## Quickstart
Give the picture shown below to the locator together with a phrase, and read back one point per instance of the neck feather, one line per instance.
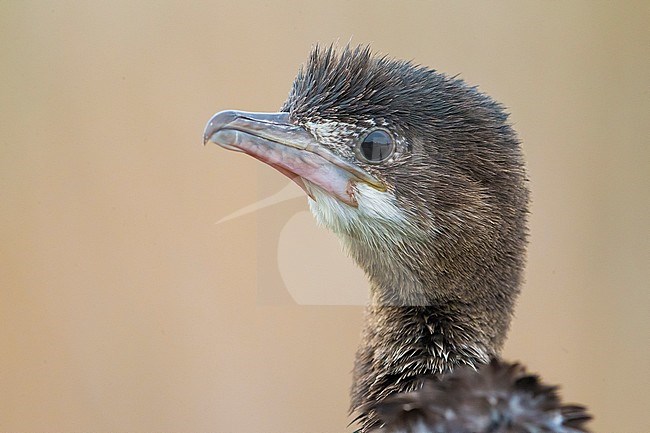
(439, 298)
(403, 345)
(426, 316)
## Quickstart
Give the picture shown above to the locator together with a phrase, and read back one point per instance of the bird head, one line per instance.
(419, 174)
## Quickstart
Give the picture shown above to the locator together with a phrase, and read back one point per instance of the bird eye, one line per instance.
(375, 147)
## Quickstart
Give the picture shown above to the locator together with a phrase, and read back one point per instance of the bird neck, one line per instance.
(442, 292)
(472, 283)
(403, 344)
(426, 316)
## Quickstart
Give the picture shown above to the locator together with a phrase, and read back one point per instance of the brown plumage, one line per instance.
(422, 178)
(497, 398)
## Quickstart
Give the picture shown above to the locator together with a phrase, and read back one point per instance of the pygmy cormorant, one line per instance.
(422, 178)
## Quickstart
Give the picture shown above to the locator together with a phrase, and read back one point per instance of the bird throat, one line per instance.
(420, 322)
(435, 305)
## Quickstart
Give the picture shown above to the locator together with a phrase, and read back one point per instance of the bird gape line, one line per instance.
(423, 180)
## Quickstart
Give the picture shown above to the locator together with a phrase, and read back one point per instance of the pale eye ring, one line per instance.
(375, 147)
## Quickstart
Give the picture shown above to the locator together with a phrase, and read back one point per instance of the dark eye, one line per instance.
(375, 147)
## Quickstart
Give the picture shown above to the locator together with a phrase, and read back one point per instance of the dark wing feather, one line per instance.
(497, 398)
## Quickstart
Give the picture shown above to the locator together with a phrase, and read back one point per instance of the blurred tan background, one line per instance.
(125, 307)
